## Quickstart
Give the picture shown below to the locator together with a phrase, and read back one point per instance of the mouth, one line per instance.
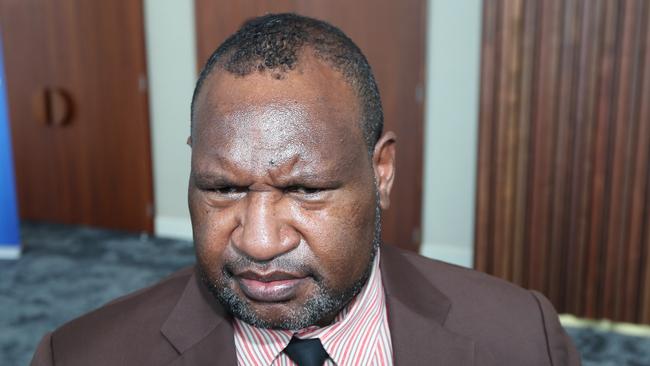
(270, 287)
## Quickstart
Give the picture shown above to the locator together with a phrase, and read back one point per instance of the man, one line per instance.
(290, 171)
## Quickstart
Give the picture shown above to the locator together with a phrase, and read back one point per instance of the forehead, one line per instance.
(310, 113)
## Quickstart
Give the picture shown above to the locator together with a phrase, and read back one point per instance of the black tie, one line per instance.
(306, 352)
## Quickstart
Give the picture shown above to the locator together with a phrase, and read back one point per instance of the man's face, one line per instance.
(282, 195)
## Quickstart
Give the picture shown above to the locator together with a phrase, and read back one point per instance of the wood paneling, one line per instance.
(76, 84)
(563, 201)
(391, 35)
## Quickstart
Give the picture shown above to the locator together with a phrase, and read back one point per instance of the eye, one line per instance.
(228, 192)
(304, 191)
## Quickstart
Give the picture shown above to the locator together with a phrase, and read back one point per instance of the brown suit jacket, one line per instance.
(439, 314)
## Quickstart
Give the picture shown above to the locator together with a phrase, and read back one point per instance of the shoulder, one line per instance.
(129, 325)
(503, 318)
(464, 286)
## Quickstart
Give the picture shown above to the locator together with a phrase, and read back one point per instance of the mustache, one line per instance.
(287, 264)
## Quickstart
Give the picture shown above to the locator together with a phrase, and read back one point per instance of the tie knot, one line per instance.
(306, 352)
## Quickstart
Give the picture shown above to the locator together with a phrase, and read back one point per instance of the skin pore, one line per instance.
(283, 197)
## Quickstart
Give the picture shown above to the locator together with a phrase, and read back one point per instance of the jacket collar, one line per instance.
(201, 331)
(417, 312)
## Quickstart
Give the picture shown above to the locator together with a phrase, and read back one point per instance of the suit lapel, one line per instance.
(216, 349)
(416, 314)
(200, 329)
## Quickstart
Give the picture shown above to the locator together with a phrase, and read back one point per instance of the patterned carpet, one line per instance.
(602, 347)
(66, 271)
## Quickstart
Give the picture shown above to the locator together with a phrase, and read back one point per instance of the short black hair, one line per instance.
(274, 42)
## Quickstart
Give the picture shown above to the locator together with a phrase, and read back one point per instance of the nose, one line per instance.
(264, 231)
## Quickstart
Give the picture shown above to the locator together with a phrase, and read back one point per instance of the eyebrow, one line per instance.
(206, 179)
(226, 171)
(210, 179)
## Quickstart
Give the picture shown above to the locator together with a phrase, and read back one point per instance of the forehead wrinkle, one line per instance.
(213, 166)
(231, 168)
(280, 170)
(301, 164)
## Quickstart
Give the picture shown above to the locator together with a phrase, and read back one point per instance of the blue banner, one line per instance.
(9, 229)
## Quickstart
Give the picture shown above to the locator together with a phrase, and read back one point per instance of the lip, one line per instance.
(270, 287)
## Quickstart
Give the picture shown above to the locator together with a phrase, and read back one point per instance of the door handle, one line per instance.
(60, 107)
(53, 106)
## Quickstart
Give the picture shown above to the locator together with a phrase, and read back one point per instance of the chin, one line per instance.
(321, 305)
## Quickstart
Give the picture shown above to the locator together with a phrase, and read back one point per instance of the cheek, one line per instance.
(211, 229)
(340, 239)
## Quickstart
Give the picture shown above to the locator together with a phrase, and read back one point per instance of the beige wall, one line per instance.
(451, 130)
(171, 63)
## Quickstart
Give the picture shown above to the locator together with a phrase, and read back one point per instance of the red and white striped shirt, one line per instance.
(359, 334)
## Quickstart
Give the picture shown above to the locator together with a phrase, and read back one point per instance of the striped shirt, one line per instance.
(359, 334)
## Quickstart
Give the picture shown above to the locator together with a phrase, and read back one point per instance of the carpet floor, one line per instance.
(66, 271)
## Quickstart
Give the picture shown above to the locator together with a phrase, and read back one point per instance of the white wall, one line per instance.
(451, 115)
(171, 63)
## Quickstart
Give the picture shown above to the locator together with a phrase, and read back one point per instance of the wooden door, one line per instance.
(564, 157)
(78, 111)
(391, 34)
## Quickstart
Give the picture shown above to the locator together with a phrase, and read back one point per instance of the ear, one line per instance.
(189, 141)
(383, 163)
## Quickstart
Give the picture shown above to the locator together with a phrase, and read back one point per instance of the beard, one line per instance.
(325, 303)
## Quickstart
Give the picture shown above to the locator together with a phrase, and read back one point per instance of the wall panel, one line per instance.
(563, 202)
